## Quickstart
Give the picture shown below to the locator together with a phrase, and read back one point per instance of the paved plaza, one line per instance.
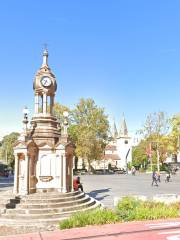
(105, 187)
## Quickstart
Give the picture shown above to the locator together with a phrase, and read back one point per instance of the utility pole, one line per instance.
(158, 155)
(158, 167)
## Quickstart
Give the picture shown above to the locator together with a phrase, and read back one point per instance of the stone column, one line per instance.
(64, 174)
(44, 103)
(16, 175)
(60, 172)
(36, 104)
(26, 175)
(51, 104)
(71, 170)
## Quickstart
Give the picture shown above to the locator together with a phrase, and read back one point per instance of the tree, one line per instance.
(58, 112)
(139, 156)
(156, 125)
(7, 147)
(155, 132)
(174, 136)
(89, 130)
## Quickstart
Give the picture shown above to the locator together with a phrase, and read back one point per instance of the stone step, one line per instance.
(52, 199)
(50, 208)
(50, 195)
(9, 203)
(41, 222)
(49, 215)
(6, 198)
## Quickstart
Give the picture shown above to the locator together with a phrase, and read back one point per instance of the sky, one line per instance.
(123, 54)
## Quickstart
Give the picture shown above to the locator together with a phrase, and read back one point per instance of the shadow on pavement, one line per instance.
(95, 193)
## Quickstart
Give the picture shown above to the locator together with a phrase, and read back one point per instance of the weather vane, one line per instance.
(45, 46)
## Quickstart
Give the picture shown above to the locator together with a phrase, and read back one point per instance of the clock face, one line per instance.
(46, 81)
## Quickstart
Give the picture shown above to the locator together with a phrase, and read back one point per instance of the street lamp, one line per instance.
(25, 120)
(65, 114)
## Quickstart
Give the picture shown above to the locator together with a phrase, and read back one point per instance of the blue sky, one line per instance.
(123, 54)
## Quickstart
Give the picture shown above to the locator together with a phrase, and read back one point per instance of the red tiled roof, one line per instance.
(111, 147)
(112, 157)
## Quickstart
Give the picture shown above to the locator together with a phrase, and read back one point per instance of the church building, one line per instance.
(118, 152)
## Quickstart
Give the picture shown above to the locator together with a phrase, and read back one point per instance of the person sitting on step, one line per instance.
(77, 184)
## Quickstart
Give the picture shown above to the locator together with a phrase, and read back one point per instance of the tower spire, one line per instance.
(115, 132)
(45, 56)
(123, 128)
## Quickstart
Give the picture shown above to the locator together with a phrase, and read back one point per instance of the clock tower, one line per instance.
(43, 121)
(43, 153)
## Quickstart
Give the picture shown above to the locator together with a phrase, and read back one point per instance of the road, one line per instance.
(6, 183)
(105, 187)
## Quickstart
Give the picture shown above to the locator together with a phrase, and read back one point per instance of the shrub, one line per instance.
(126, 208)
(93, 217)
(130, 209)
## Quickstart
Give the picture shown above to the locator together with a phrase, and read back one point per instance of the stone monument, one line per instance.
(43, 153)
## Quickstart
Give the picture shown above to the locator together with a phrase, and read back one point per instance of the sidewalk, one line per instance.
(149, 230)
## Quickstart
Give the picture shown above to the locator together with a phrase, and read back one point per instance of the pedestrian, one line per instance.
(77, 184)
(133, 170)
(158, 177)
(168, 176)
(154, 178)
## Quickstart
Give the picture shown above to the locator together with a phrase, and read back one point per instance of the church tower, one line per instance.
(43, 153)
(124, 145)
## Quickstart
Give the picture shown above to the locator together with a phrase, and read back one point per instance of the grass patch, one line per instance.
(93, 217)
(128, 209)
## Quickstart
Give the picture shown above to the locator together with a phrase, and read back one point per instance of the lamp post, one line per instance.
(25, 120)
(65, 123)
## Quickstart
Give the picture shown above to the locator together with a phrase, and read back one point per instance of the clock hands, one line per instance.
(46, 82)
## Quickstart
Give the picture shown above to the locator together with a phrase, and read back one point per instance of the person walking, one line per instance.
(133, 170)
(158, 177)
(168, 176)
(154, 178)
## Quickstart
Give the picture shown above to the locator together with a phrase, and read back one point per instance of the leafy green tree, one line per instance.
(139, 156)
(7, 148)
(58, 111)
(155, 131)
(174, 135)
(89, 130)
(155, 126)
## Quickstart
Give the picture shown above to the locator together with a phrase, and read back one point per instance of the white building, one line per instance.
(118, 153)
(119, 150)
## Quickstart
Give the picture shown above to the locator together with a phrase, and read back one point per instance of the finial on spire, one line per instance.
(45, 55)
